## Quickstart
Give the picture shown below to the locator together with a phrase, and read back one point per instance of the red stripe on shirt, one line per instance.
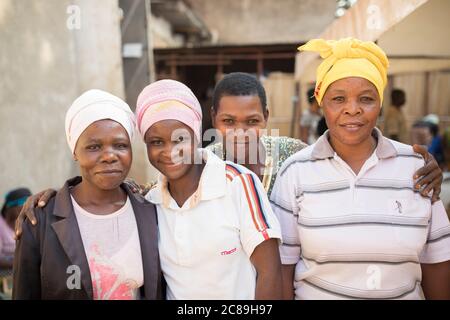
(257, 202)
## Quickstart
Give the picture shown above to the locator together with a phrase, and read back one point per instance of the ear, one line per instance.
(213, 116)
(74, 156)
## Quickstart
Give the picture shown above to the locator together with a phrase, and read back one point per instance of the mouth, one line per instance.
(352, 126)
(110, 172)
(171, 164)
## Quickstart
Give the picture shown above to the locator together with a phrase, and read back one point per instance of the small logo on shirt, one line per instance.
(225, 253)
(398, 206)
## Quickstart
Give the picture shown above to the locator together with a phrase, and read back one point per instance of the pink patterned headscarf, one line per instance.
(168, 100)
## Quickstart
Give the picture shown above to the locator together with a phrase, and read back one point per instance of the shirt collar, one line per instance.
(322, 149)
(212, 184)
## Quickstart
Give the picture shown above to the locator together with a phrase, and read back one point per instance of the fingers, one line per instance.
(432, 176)
(430, 166)
(43, 200)
(18, 226)
(134, 187)
(31, 216)
(422, 150)
(28, 206)
(434, 185)
(436, 193)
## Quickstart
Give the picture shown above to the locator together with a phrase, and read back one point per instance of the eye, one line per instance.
(122, 146)
(93, 147)
(338, 99)
(228, 121)
(156, 143)
(253, 121)
(367, 99)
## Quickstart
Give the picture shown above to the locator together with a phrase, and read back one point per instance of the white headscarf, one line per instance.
(95, 105)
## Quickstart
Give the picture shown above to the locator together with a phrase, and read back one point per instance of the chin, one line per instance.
(355, 139)
(109, 184)
(174, 174)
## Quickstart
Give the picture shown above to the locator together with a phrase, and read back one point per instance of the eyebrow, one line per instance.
(253, 115)
(115, 139)
(227, 115)
(368, 91)
(343, 91)
(153, 137)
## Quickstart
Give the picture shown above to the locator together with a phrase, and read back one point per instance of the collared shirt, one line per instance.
(278, 149)
(357, 235)
(205, 246)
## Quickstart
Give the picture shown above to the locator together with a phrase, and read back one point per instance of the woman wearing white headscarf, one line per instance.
(90, 241)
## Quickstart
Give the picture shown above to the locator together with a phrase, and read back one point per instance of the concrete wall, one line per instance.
(265, 21)
(44, 67)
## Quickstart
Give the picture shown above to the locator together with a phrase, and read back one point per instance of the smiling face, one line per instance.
(103, 152)
(351, 107)
(171, 148)
(240, 120)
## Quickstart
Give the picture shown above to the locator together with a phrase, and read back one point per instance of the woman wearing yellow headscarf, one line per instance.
(353, 225)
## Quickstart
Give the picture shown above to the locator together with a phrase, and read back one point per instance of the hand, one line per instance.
(430, 175)
(37, 200)
(136, 188)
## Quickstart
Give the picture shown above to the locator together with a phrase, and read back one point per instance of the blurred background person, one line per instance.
(322, 126)
(436, 145)
(10, 210)
(395, 122)
(420, 133)
(310, 119)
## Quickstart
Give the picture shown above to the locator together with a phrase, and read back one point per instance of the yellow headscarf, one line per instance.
(348, 58)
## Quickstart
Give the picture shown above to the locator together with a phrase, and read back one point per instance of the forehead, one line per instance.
(166, 128)
(351, 84)
(104, 129)
(241, 105)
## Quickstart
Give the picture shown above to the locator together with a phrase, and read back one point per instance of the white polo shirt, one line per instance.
(205, 246)
(357, 236)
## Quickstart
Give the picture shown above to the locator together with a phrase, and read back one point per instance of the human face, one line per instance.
(240, 120)
(11, 215)
(351, 107)
(171, 147)
(104, 155)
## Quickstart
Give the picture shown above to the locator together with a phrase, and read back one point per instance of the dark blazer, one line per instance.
(44, 252)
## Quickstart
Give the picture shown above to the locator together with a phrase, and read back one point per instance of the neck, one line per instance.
(181, 189)
(96, 200)
(354, 155)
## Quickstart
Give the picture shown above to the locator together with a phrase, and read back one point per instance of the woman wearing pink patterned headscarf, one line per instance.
(217, 230)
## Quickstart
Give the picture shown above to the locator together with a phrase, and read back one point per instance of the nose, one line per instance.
(109, 156)
(171, 152)
(241, 131)
(352, 108)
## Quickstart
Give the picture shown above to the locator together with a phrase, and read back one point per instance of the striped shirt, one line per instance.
(205, 246)
(357, 236)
